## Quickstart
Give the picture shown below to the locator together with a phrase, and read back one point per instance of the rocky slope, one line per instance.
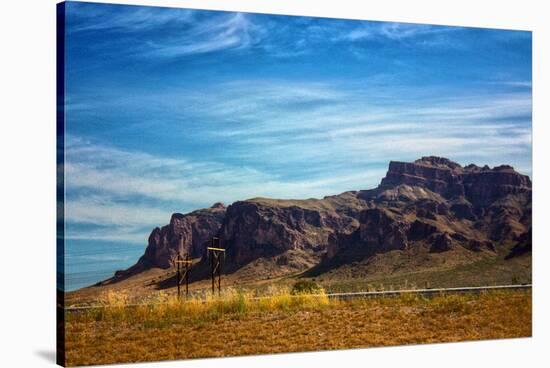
(433, 204)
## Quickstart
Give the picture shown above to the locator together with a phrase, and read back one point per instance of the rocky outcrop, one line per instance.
(481, 186)
(523, 245)
(256, 228)
(382, 230)
(484, 187)
(479, 245)
(441, 242)
(421, 230)
(439, 176)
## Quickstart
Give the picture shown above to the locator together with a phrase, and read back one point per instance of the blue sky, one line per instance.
(170, 110)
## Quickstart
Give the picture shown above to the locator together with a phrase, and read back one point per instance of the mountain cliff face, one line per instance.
(479, 185)
(432, 203)
(262, 227)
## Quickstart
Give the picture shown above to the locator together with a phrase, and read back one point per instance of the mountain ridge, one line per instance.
(432, 205)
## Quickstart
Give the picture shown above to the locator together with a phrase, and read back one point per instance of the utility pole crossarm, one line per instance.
(216, 249)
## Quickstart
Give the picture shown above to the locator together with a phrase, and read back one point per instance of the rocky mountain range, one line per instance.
(431, 204)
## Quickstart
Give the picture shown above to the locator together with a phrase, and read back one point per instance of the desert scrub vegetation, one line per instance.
(306, 286)
(166, 308)
(239, 323)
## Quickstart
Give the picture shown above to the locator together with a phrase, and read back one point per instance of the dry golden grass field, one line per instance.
(238, 324)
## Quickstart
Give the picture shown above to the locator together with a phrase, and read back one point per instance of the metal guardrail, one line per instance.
(426, 292)
(362, 294)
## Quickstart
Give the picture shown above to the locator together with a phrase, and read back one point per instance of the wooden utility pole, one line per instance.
(182, 273)
(215, 253)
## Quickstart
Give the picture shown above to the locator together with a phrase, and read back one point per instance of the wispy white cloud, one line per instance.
(165, 32)
(232, 31)
(103, 211)
(87, 17)
(359, 126)
(114, 233)
(393, 32)
(119, 173)
(512, 83)
(263, 108)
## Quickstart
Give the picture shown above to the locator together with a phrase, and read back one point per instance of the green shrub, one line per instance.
(306, 287)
